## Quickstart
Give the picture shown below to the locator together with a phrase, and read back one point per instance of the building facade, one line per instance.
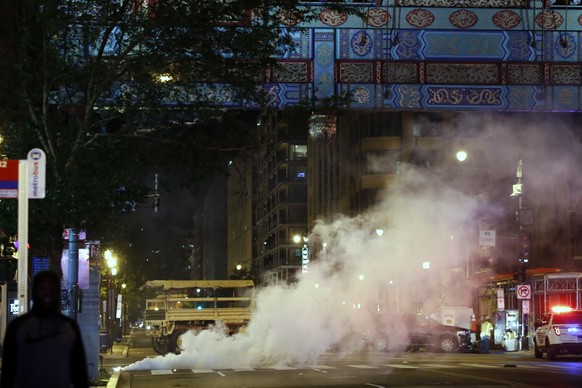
(489, 55)
(281, 198)
(410, 68)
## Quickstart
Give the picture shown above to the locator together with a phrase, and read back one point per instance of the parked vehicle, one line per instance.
(185, 305)
(559, 333)
(414, 332)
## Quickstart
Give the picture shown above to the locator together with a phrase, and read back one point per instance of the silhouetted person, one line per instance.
(43, 348)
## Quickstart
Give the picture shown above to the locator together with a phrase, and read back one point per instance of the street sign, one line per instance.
(8, 178)
(36, 173)
(523, 291)
(487, 238)
(500, 299)
(525, 306)
(304, 258)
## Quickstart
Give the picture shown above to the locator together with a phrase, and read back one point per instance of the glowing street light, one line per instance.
(110, 311)
(379, 232)
(110, 260)
(164, 78)
(461, 155)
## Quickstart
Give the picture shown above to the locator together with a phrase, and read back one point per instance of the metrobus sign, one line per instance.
(35, 179)
(8, 178)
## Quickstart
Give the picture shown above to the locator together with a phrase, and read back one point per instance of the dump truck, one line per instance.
(183, 305)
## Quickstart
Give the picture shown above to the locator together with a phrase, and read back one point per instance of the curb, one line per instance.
(114, 379)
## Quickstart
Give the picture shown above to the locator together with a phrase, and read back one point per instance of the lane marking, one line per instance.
(317, 367)
(363, 366)
(282, 367)
(401, 366)
(162, 372)
(244, 369)
(202, 370)
(479, 365)
(436, 366)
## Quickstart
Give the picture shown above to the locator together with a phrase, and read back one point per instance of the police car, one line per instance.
(559, 333)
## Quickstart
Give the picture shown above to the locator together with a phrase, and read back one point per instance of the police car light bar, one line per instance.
(561, 309)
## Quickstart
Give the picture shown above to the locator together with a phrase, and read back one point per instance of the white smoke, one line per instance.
(360, 273)
(356, 275)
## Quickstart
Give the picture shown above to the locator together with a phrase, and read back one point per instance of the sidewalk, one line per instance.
(117, 352)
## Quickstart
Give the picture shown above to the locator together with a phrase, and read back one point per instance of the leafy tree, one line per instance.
(113, 90)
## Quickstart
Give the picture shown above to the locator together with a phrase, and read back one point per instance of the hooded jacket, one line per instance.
(44, 348)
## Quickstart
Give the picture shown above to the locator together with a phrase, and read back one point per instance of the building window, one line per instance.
(298, 152)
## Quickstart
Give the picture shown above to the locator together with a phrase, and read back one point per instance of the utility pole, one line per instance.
(525, 220)
(73, 274)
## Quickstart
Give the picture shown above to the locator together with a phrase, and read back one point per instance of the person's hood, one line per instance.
(50, 306)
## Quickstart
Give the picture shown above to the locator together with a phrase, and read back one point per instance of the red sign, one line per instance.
(8, 178)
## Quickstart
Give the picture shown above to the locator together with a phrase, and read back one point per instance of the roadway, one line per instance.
(366, 369)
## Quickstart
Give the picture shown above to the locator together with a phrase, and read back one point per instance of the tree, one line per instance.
(113, 90)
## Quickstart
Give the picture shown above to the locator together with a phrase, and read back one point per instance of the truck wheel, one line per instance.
(160, 345)
(551, 352)
(447, 344)
(175, 344)
(537, 351)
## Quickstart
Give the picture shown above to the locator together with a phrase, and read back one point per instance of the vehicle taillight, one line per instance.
(556, 329)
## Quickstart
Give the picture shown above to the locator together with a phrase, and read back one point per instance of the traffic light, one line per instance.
(519, 274)
(525, 245)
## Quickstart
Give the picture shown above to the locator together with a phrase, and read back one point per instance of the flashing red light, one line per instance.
(561, 309)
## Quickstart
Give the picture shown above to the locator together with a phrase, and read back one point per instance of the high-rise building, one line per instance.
(240, 208)
(281, 198)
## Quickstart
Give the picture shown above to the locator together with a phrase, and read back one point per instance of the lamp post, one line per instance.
(487, 235)
(111, 271)
(123, 308)
(525, 219)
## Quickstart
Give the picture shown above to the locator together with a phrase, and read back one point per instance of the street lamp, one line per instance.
(480, 180)
(111, 270)
(123, 322)
(461, 155)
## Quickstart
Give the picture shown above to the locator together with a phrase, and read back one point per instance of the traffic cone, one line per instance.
(473, 324)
